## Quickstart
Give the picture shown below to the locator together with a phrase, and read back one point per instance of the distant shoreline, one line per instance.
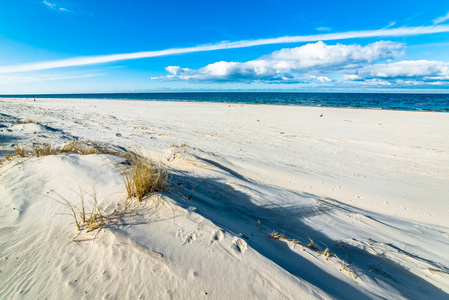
(376, 101)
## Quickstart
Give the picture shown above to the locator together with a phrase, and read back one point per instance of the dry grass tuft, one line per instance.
(173, 145)
(20, 150)
(28, 121)
(96, 219)
(76, 147)
(281, 236)
(346, 267)
(312, 245)
(326, 253)
(85, 221)
(87, 147)
(145, 176)
(43, 149)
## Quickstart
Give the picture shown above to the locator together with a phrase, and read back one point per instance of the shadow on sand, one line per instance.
(234, 212)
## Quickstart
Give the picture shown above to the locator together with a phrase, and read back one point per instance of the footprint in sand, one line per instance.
(241, 245)
(218, 236)
(192, 237)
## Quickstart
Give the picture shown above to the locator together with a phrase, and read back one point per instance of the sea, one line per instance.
(407, 102)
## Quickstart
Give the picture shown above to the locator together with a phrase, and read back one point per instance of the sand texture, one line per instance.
(265, 202)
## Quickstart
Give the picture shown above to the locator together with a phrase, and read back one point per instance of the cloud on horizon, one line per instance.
(291, 65)
(411, 68)
(319, 63)
(90, 60)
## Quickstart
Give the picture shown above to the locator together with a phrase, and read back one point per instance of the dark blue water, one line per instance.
(416, 102)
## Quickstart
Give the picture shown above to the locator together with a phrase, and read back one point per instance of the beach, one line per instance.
(266, 201)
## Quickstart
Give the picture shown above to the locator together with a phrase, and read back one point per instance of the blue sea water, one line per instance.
(413, 102)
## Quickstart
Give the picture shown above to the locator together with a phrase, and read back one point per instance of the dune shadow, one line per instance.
(7, 139)
(235, 212)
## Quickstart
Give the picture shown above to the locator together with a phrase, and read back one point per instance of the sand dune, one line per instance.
(266, 202)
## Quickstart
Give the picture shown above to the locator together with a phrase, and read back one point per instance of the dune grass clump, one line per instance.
(174, 145)
(75, 147)
(29, 121)
(313, 246)
(281, 236)
(43, 149)
(85, 220)
(20, 150)
(144, 177)
(87, 147)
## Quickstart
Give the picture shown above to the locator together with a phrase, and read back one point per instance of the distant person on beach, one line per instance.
(34, 98)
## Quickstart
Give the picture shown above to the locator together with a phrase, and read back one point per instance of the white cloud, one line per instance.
(89, 60)
(290, 64)
(416, 69)
(55, 6)
(51, 5)
(323, 28)
(323, 79)
(441, 19)
(391, 24)
(351, 77)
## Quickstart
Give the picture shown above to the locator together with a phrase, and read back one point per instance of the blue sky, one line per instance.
(85, 46)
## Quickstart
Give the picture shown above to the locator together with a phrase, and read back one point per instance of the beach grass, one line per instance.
(145, 176)
(84, 220)
(80, 147)
(313, 246)
(28, 121)
(20, 150)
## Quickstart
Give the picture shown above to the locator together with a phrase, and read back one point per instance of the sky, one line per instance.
(85, 46)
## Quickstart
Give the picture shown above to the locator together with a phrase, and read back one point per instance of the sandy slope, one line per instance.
(369, 185)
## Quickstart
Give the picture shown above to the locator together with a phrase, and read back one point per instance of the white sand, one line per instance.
(373, 186)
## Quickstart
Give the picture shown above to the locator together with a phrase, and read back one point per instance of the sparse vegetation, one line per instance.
(85, 221)
(312, 245)
(75, 146)
(43, 149)
(173, 145)
(28, 121)
(88, 147)
(20, 150)
(144, 177)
